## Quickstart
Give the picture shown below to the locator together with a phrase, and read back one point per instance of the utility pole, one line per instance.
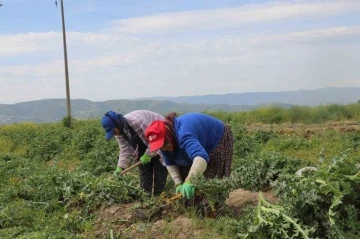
(65, 62)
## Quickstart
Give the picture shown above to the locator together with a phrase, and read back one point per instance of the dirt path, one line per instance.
(342, 126)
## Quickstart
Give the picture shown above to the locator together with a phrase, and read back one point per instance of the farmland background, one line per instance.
(57, 181)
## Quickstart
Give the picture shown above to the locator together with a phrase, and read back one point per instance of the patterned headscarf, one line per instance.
(123, 126)
(125, 129)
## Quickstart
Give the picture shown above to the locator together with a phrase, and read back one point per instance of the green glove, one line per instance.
(178, 188)
(188, 190)
(145, 159)
(118, 171)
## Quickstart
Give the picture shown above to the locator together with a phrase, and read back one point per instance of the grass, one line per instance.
(45, 168)
(327, 144)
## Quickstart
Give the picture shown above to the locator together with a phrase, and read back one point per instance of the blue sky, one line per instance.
(129, 49)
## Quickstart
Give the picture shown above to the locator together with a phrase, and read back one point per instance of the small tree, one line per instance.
(67, 121)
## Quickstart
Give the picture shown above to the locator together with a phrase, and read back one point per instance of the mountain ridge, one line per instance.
(52, 110)
(306, 97)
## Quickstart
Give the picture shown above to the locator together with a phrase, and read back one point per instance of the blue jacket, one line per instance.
(197, 134)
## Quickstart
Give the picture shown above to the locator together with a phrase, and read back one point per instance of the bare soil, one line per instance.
(129, 222)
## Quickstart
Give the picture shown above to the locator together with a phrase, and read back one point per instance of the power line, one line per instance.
(56, 5)
(25, 5)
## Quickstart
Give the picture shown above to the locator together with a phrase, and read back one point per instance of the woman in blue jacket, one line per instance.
(192, 144)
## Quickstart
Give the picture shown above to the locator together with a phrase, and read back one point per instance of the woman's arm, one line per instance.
(125, 152)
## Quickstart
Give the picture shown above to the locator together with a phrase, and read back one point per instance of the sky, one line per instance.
(133, 49)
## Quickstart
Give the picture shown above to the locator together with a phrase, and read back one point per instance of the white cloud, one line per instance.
(28, 42)
(110, 64)
(18, 44)
(315, 34)
(201, 53)
(233, 17)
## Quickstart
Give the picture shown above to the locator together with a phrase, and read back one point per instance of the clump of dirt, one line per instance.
(240, 199)
(308, 134)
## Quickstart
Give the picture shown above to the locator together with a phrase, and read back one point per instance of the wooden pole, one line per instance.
(65, 63)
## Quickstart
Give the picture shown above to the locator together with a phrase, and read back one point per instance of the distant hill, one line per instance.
(52, 110)
(315, 97)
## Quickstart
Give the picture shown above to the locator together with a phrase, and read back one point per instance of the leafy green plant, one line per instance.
(323, 198)
(37, 196)
(67, 121)
(271, 221)
(244, 144)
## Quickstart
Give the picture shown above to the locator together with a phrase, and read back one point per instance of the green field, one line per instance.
(56, 182)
